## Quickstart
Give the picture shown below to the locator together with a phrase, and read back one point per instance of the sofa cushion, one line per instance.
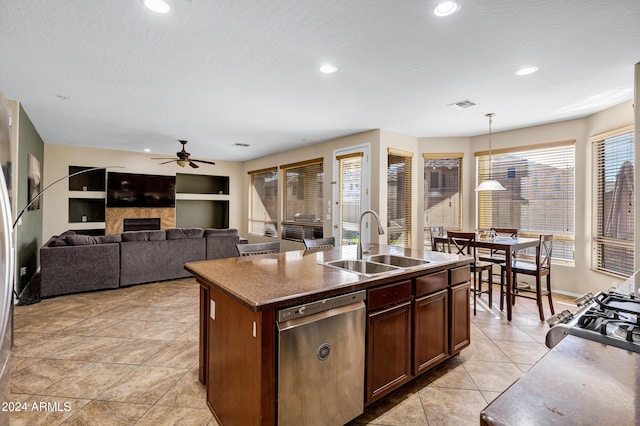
(105, 239)
(130, 236)
(212, 233)
(80, 240)
(182, 233)
(56, 241)
(65, 233)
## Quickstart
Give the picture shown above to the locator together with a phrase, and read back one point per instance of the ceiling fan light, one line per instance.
(182, 163)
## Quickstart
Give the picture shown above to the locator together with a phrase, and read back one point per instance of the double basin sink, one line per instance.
(376, 264)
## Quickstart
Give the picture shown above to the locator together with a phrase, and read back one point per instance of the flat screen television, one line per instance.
(137, 190)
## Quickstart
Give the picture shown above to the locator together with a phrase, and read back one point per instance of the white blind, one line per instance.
(539, 196)
(303, 200)
(263, 200)
(350, 196)
(442, 193)
(613, 202)
(399, 199)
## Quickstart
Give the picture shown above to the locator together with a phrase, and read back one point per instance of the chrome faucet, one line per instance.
(380, 230)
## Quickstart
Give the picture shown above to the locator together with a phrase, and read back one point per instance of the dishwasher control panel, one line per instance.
(311, 308)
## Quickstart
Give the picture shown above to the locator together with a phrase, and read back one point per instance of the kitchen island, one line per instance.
(416, 318)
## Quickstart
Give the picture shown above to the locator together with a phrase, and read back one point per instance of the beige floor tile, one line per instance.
(108, 413)
(36, 377)
(483, 350)
(453, 407)
(523, 352)
(89, 348)
(191, 335)
(538, 333)
(132, 351)
(524, 367)
(176, 354)
(89, 327)
(144, 385)
(88, 381)
(492, 376)
(506, 332)
(17, 363)
(402, 407)
(490, 395)
(48, 324)
(40, 345)
(169, 416)
(188, 392)
(161, 330)
(450, 374)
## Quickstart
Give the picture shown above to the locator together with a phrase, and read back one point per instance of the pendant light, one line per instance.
(490, 184)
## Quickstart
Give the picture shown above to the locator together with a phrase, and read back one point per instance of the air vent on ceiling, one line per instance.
(461, 104)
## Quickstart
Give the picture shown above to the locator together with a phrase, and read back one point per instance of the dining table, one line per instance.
(509, 245)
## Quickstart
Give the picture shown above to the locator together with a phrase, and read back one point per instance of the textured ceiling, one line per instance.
(113, 74)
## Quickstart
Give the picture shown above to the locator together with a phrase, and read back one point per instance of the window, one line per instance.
(539, 195)
(442, 193)
(399, 198)
(263, 202)
(303, 200)
(350, 195)
(613, 202)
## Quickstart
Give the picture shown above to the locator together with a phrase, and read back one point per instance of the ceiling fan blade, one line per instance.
(167, 162)
(205, 161)
(194, 165)
(160, 158)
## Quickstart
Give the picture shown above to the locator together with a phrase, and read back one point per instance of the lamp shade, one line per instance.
(490, 185)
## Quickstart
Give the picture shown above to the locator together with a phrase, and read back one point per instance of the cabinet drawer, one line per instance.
(388, 295)
(460, 275)
(431, 283)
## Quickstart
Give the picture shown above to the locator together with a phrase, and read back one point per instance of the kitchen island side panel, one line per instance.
(241, 363)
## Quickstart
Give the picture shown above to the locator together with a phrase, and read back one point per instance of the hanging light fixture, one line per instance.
(490, 184)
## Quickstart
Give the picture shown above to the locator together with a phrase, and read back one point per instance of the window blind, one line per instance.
(613, 202)
(263, 202)
(442, 193)
(303, 200)
(350, 196)
(539, 196)
(399, 198)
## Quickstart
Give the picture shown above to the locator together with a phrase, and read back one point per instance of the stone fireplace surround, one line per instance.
(114, 217)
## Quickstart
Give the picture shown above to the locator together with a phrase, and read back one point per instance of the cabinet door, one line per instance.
(460, 320)
(430, 322)
(388, 350)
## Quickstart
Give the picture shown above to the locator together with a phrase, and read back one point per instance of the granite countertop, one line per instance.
(578, 382)
(292, 277)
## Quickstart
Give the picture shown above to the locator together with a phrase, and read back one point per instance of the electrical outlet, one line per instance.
(23, 271)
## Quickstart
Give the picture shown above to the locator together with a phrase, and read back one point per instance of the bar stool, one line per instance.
(318, 243)
(258, 248)
(542, 267)
(464, 244)
(436, 231)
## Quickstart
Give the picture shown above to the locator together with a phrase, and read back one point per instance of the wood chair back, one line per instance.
(253, 249)
(319, 243)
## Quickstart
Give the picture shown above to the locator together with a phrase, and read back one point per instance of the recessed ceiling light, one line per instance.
(242, 145)
(328, 68)
(159, 6)
(526, 70)
(446, 8)
(147, 150)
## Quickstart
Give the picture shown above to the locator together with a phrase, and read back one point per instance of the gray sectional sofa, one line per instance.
(72, 263)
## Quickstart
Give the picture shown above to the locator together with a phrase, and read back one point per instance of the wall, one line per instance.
(29, 229)
(58, 158)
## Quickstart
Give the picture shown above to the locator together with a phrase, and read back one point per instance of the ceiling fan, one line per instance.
(183, 158)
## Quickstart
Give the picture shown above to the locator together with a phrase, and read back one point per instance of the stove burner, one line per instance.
(628, 332)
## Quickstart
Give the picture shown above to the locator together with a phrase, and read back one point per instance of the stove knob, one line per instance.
(302, 309)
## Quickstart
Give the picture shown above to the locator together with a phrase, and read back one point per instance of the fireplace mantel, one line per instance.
(115, 216)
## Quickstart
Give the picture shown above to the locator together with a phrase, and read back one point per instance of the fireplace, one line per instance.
(141, 224)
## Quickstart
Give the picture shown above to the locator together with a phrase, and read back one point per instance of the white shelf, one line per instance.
(87, 194)
(200, 197)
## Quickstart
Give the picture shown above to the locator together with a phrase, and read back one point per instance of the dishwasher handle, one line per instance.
(301, 321)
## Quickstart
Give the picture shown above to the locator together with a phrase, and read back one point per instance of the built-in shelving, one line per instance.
(202, 201)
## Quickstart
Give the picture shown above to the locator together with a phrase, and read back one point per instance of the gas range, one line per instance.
(608, 317)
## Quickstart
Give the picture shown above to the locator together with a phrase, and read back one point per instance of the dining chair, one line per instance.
(436, 231)
(463, 243)
(318, 243)
(541, 267)
(253, 249)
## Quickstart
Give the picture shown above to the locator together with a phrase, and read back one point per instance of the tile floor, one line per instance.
(130, 356)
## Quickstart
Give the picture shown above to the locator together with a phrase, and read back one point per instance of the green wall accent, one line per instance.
(29, 232)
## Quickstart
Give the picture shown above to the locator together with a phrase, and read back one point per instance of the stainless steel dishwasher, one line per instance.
(321, 361)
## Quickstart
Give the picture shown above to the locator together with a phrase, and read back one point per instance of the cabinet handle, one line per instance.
(254, 329)
(212, 310)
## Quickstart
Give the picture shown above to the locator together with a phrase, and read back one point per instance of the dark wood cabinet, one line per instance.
(388, 357)
(459, 320)
(430, 323)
